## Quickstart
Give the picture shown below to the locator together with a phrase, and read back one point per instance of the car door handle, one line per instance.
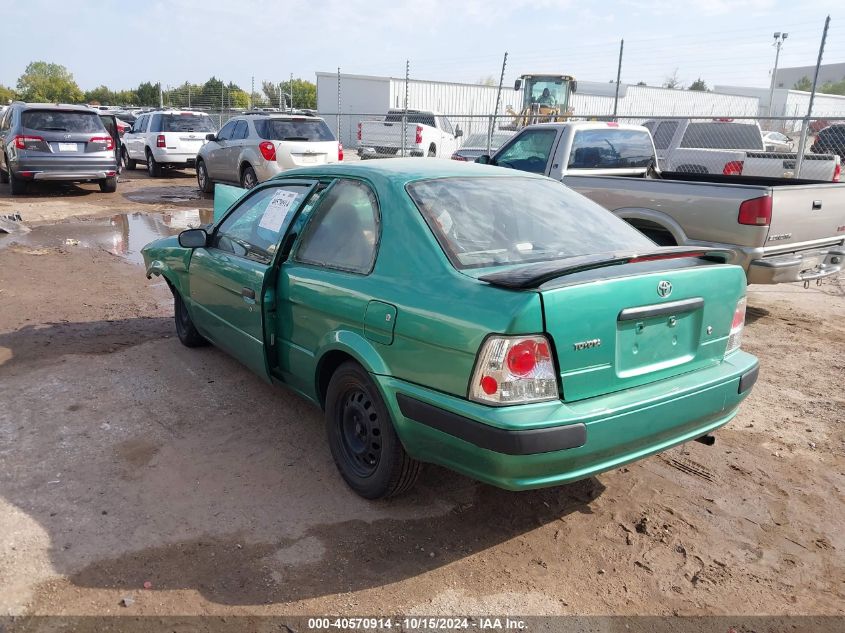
(248, 294)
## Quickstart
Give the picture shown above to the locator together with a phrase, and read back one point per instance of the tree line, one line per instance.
(45, 82)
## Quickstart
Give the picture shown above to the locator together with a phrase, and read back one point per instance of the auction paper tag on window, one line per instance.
(279, 208)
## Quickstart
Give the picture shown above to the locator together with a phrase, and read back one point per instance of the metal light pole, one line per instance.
(780, 38)
(618, 79)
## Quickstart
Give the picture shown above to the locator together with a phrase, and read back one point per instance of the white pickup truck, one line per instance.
(731, 148)
(427, 133)
(780, 230)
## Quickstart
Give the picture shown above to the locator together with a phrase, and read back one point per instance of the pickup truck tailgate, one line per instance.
(623, 332)
(803, 214)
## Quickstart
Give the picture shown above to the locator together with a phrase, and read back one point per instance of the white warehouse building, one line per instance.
(365, 97)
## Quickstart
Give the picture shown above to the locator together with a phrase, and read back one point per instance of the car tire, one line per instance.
(432, 152)
(128, 163)
(248, 177)
(153, 168)
(205, 183)
(16, 185)
(4, 175)
(185, 328)
(108, 185)
(362, 439)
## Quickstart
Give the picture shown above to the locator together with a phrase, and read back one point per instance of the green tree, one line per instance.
(100, 95)
(7, 95)
(699, 85)
(304, 93)
(48, 83)
(834, 87)
(147, 94)
(239, 98)
(803, 84)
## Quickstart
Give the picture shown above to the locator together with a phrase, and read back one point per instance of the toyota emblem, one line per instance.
(664, 288)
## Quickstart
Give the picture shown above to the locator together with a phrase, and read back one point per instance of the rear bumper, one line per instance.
(388, 152)
(801, 266)
(68, 169)
(164, 156)
(547, 444)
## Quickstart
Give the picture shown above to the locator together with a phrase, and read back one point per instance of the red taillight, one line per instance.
(457, 156)
(21, 141)
(733, 168)
(756, 212)
(419, 135)
(340, 152)
(108, 141)
(160, 142)
(514, 370)
(268, 150)
(737, 325)
(359, 131)
(837, 173)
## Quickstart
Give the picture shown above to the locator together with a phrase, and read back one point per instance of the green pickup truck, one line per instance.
(490, 321)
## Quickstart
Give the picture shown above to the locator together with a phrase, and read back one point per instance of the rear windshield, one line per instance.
(294, 130)
(413, 118)
(483, 222)
(722, 136)
(61, 121)
(183, 123)
(611, 148)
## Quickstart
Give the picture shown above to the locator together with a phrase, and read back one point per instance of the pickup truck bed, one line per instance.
(704, 209)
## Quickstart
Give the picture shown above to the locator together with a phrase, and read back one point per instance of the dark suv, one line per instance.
(40, 141)
(831, 140)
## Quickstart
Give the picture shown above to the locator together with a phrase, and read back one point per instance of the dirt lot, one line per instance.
(127, 459)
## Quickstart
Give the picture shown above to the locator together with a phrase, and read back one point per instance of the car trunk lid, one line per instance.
(306, 153)
(806, 213)
(633, 329)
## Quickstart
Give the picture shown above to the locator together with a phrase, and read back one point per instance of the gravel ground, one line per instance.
(127, 460)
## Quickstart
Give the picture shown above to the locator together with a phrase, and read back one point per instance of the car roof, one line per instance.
(400, 170)
(69, 107)
(588, 125)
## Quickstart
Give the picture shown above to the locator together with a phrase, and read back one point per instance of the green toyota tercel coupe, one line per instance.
(492, 322)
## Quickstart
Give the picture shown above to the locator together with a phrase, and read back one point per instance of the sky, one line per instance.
(121, 44)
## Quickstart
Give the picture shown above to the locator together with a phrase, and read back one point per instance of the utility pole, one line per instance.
(160, 96)
(338, 104)
(290, 89)
(780, 38)
(618, 78)
(405, 113)
(251, 92)
(498, 102)
(806, 127)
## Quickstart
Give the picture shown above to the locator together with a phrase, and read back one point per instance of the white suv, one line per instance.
(166, 139)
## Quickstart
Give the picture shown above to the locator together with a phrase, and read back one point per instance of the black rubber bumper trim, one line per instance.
(526, 442)
(748, 379)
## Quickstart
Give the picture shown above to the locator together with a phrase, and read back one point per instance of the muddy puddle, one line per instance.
(157, 195)
(123, 234)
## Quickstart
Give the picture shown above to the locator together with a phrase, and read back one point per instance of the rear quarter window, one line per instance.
(313, 130)
(606, 148)
(61, 121)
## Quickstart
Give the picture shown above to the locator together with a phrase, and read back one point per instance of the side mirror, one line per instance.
(211, 137)
(484, 159)
(193, 238)
(517, 84)
(573, 87)
(458, 132)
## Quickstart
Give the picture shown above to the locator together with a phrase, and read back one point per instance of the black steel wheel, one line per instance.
(185, 328)
(363, 442)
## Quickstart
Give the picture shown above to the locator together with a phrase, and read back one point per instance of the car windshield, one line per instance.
(185, 122)
(481, 222)
(720, 135)
(479, 141)
(61, 121)
(294, 130)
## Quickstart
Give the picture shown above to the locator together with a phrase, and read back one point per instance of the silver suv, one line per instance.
(256, 146)
(40, 141)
